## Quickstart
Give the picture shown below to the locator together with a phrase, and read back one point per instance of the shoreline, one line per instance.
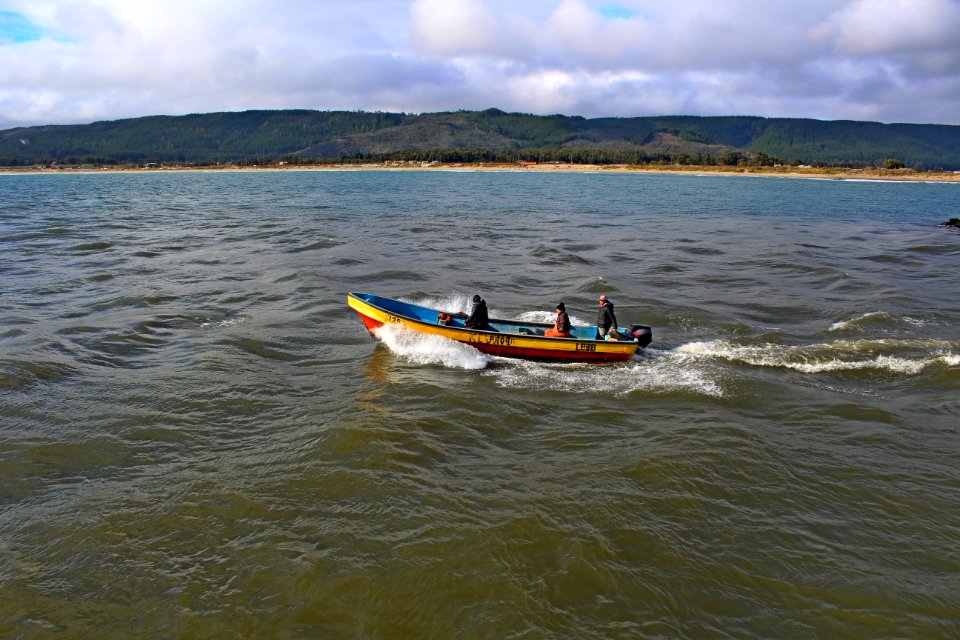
(886, 175)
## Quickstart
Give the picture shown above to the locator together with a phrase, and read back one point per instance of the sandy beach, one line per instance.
(776, 172)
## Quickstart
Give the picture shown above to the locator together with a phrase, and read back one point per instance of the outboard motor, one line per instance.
(642, 334)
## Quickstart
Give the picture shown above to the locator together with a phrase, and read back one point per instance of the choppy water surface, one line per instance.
(198, 439)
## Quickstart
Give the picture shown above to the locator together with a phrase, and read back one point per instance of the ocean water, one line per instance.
(198, 439)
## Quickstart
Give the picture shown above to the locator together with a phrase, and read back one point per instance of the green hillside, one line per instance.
(481, 135)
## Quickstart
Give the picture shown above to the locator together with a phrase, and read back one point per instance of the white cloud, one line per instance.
(83, 60)
(458, 28)
(892, 26)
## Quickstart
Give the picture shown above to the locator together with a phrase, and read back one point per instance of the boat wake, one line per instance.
(653, 372)
(897, 356)
(702, 368)
(659, 372)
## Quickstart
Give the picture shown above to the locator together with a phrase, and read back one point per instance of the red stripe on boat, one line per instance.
(370, 323)
(545, 355)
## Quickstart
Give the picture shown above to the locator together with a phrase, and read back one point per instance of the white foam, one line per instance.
(842, 355)
(655, 372)
(889, 363)
(549, 317)
(453, 303)
(950, 359)
(421, 348)
(539, 316)
(229, 322)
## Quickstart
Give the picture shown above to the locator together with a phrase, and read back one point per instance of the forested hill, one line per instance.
(491, 135)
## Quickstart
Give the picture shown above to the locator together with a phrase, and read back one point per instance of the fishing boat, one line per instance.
(507, 338)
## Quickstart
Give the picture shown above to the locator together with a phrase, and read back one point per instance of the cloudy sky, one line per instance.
(76, 61)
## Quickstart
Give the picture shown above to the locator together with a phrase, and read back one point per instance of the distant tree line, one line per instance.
(259, 137)
(468, 156)
(561, 156)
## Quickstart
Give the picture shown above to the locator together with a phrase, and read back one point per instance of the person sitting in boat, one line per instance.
(606, 320)
(561, 329)
(478, 316)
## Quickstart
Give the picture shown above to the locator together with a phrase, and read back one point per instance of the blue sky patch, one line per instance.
(616, 11)
(15, 28)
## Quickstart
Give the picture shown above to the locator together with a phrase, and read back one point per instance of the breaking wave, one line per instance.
(872, 318)
(875, 319)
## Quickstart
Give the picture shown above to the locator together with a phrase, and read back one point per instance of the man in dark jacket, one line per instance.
(478, 316)
(606, 320)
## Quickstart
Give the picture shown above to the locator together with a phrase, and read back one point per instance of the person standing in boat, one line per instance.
(478, 316)
(606, 320)
(561, 329)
